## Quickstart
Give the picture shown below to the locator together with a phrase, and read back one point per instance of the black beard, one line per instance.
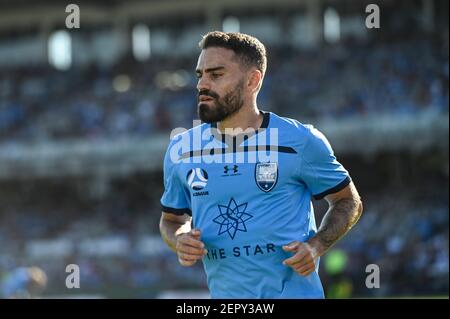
(221, 108)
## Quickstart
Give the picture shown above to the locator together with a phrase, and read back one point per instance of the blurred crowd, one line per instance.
(406, 238)
(113, 239)
(402, 77)
(399, 78)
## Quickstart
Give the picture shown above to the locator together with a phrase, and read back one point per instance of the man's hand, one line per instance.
(304, 260)
(189, 248)
(344, 211)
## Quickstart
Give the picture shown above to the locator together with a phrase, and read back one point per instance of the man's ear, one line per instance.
(254, 80)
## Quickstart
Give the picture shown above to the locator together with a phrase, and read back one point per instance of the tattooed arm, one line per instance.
(344, 211)
(345, 208)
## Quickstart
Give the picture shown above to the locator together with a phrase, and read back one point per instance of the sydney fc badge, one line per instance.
(266, 175)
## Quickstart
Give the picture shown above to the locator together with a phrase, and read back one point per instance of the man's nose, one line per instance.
(203, 84)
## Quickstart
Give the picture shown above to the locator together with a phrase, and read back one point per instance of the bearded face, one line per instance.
(215, 108)
(221, 84)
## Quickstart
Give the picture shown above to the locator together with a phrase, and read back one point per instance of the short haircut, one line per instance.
(249, 49)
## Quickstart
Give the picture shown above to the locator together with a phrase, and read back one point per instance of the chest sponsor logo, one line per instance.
(241, 251)
(232, 218)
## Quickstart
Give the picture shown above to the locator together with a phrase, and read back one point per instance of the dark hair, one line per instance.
(249, 49)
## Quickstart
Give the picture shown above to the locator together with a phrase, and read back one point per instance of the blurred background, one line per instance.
(86, 113)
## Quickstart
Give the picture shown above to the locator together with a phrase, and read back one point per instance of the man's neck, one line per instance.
(246, 117)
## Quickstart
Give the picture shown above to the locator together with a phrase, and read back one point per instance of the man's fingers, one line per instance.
(297, 258)
(192, 250)
(303, 260)
(189, 257)
(191, 241)
(184, 262)
(304, 264)
(188, 240)
(195, 232)
(305, 270)
(291, 261)
(291, 246)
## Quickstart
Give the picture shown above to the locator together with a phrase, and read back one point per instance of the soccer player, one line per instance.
(249, 218)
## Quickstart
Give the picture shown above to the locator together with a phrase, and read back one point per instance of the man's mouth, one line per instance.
(204, 98)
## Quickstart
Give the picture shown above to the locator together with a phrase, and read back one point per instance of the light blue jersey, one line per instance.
(248, 209)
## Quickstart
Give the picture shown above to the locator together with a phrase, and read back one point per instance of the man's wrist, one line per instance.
(317, 246)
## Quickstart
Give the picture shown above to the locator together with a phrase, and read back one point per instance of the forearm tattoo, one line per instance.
(339, 219)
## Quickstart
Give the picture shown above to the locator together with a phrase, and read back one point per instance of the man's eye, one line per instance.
(215, 75)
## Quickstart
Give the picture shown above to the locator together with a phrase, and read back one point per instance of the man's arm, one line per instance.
(345, 208)
(171, 225)
(177, 234)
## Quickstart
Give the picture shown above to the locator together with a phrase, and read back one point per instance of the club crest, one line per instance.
(266, 176)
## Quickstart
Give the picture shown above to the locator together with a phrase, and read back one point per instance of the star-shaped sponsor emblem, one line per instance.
(232, 218)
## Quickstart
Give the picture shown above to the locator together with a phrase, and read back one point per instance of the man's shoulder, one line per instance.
(304, 136)
(290, 127)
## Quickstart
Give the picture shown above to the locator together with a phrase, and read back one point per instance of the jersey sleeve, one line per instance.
(175, 199)
(319, 168)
